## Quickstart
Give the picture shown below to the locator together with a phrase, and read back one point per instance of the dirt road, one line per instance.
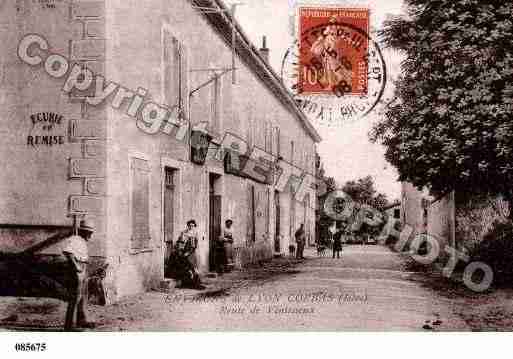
(369, 289)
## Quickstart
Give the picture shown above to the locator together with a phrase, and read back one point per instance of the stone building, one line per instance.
(427, 214)
(119, 148)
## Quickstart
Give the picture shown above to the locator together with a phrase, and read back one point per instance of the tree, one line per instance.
(451, 127)
(325, 185)
(362, 191)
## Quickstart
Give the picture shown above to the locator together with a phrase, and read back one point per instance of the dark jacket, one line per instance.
(337, 241)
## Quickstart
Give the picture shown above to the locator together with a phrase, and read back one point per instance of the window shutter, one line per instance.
(184, 78)
(265, 136)
(292, 149)
(269, 137)
(216, 104)
(251, 215)
(170, 76)
(278, 141)
(140, 206)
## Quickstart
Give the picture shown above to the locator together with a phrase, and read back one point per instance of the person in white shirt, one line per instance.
(77, 254)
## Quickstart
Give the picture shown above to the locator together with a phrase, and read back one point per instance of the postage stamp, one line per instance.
(334, 68)
(332, 59)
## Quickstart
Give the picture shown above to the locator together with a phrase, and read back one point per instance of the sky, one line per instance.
(346, 151)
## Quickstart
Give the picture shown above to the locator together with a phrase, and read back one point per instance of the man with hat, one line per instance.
(76, 252)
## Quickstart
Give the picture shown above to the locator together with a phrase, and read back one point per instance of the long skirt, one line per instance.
(228, 247)
(220, 259)
(186, 272)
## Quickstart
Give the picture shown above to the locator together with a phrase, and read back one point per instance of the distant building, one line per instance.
(426, 214)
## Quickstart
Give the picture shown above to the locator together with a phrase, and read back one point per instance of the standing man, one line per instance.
(337, 242)
(300, 241)
(77, 254)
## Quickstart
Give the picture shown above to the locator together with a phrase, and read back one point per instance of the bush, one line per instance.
(496, 250)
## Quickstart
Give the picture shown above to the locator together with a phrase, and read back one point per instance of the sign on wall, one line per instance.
(48, 129)
(235, 164)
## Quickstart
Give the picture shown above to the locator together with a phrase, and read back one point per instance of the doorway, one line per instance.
(277, 246)
(169, 215)
(215, 202)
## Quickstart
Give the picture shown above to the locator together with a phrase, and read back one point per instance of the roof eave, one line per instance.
(256, 62)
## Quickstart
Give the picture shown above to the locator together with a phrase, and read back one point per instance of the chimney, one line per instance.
(264, 51)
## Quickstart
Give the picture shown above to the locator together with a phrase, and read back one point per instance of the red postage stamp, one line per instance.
(333, 47)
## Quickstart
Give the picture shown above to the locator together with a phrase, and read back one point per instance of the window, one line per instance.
(169, 204)
(140, 203)
(215, 104)
(251, 238)
(276, 143)
(268, 135)
(292, 152)
(175, 71)
(268, 214)
(250, 134)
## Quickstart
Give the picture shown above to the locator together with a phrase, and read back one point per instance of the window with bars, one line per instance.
(169, 178)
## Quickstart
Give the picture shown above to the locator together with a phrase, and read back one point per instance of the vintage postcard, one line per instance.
(264, 165)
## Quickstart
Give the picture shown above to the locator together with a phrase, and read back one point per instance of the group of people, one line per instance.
(181, 257)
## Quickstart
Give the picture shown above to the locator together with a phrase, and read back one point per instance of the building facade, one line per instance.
(121, 149)
(426, 214)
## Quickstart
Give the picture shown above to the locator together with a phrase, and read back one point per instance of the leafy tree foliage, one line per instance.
(363, 191)
(451, 127)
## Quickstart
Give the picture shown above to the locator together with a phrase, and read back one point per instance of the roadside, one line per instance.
(46, 314)
(369, 289)
(491, 310)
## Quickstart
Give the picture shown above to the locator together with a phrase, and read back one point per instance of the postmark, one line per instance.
(334, 69)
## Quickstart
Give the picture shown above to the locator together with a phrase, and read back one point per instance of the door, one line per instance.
(307, 225)
(215, 228)
(214, 221)
(277, 248)
(169, 218)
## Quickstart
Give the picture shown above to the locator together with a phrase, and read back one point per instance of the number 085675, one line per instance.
(30, 347)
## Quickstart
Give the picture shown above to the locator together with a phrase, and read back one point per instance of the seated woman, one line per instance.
(183, 261)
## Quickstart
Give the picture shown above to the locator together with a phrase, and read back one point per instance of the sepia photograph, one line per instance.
(255, 166)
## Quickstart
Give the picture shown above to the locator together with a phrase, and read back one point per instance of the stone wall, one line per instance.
(441, 222)
(475, 217)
